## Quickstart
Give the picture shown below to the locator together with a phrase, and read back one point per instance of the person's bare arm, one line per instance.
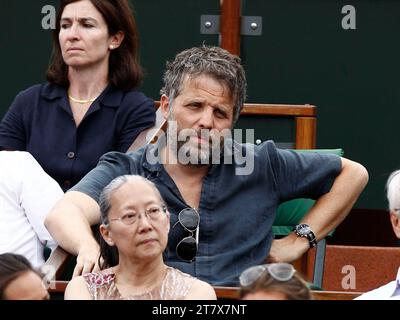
(77, 290)
(69, 224)
(326, 214)
(201, 291)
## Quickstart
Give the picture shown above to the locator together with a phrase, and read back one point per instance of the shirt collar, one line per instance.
(110, 97)
(152, 157)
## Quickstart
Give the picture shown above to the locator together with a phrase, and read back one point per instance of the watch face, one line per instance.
(303, 230)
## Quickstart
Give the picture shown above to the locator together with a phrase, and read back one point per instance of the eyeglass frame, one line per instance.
(139, 214)
(267, 268)
(191, 233)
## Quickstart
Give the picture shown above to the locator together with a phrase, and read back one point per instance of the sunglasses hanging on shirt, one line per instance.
(186, 249)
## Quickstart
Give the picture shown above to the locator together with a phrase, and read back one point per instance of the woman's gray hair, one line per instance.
(212, 61)
(113, 186)
(393, 191)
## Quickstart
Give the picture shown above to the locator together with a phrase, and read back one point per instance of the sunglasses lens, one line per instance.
(189, 219)
(186, 249)
(281, 271)
(250, 275)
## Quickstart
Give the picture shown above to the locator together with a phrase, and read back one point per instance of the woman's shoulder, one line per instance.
(197, 289)
(46, 89)
(137, 98)
(100, 278)
(201, 290)
(77, 289)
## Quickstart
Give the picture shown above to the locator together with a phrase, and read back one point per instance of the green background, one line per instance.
(303, 56)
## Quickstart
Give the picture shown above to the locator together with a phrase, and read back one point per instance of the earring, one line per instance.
(112, 47)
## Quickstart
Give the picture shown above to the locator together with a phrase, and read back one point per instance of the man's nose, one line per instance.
(206, 118)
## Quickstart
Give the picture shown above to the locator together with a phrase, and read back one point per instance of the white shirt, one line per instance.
(390, 291)
(27, 194)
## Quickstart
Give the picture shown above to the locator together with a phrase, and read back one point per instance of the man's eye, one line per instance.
(220, 114)
(64, 26)
(194, 105)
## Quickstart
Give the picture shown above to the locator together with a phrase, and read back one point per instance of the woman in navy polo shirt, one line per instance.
(89, 105)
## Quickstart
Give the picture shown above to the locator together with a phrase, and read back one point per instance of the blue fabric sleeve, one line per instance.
(140, 116)
(12, 129)
(303, 175)
(110, 166)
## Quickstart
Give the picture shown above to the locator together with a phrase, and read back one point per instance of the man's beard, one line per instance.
(197, 147)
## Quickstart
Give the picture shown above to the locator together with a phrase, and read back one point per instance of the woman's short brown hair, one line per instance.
(125, 71)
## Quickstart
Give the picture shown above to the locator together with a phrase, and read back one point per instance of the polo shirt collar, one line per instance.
(152, 158)
(111, 96)
(52, 91)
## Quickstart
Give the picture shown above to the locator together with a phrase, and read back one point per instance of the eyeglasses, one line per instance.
(280, 271)
(152, 213)
(186, 249)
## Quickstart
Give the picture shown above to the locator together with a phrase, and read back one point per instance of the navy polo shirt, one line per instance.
(40, 121)
(236, 211)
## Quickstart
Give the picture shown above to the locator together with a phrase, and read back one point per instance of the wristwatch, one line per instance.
(304, 230)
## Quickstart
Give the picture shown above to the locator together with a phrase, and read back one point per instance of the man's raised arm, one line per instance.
(327, 213)
(69, 223)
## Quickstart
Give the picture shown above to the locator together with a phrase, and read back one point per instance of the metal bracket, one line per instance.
(250, 25)
(209, 24)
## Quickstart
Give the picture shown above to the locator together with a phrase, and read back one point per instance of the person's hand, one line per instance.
(288, 249)
(87, 259)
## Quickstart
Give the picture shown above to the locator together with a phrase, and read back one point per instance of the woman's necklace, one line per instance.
(82, 101)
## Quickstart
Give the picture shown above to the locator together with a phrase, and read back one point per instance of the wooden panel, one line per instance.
(279, 109)
(370, 267)
(233, 293)
(58, 286)
(334, 295)
(230, 26)
(306, 132)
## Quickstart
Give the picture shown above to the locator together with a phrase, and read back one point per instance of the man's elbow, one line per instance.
(51, 217)
(357, 173)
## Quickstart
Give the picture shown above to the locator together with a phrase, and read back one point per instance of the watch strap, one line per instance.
(310, 235)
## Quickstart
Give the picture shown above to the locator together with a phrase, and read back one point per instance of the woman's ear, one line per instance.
(168, 221)
(116, 40)
(106, 234)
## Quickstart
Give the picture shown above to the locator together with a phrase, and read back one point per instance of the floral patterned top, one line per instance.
(175, 286)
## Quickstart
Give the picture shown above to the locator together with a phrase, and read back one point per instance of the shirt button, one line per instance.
(71, 155)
